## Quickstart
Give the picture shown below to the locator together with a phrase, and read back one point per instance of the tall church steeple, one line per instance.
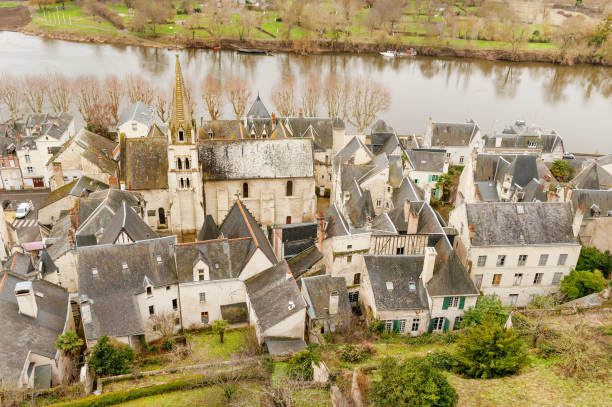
(180, 120)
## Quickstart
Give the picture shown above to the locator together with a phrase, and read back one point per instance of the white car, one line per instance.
(23, 209)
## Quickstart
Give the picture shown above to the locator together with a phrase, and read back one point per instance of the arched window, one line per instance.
(187, 182)
(179, 164)
(186, 163)
(162, 216)
(289, 188)
(182, 183)
(181, 135)
(245, 190)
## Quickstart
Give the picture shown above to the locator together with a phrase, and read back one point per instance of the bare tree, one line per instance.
(60, 92)
(222, 17)
(283, 97)
(139, 90)
(212, 93)
(161, 103)
(238, 94)
(335, 94)
(514, 34)
(163, 324)
(114, 91)
(248, 22)
(88, 96)
(311, 94)
(35, 91)
(368, 98)
(190, 92)
(10, 94)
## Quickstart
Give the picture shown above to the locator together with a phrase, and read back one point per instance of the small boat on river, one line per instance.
(252, 51)
(411, 52)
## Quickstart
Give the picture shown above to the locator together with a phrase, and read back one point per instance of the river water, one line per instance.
(576, 101)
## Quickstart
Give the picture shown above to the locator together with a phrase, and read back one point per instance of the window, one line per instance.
(27, 158)
(543, 259)
(204, 317)
(149, 291)
(438, 324)
(187, 182)
(416, 180)
(181, 135)
(187, 165)
(434, 178)
(179, 164)
(478, 280)
(453, 302)
(162, 216)
(532, 144)
(522, 260)
(288, 220)
(30, 170)
(461, 160)
(349, 259)
(151, 310)
(177, 321)
(518, 277)
(557, 278)
(457, 323)
(402, 326)
(182, 183)
(496, 279)
(389, 325)
(538, 278)
(562, 259)
(399, 250)
(415, 324)
(245, 190)
(412, 286)
(378, 203)
(201, 275)
(448, 155)
(512, 299)
(482, 260)
(202, 297)
(289, 188)
(175, 304)
(167, 288)
(349, 246)
(501, 260)
(356, 278)
(354, 297)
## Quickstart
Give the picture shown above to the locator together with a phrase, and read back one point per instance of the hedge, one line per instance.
(188, 383)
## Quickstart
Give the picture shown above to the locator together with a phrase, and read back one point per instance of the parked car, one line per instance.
(23, 209)
(568, 156)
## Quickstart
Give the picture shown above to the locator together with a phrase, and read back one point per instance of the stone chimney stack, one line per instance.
(411, 217)
(301, 113)
(428, 264)
(58, 174)
(472, 232)
(334, 299)
(100, 161)
(113, 183)
(273, 118)
(26, 299)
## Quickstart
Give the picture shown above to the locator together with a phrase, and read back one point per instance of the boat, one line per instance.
(251, 51)
(390, 54)
(411, 52)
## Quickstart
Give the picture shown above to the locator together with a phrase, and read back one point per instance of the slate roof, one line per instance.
(239, 222)
(38, 334)
(49, 125)
(407, 191)
(209, 230)
(427, 160)
(348, 151)
(144, 163)
(360, 208)
(502, 224)
(382, 224)
(319, 128)
(297, 237)
(256, 159)
(45, 264)
(19, 263)
(534, 191)
(450, 276)
(221, 129)
(587, 198)
(94, 146)
(593, 176)
(550, 142)
(111, 291)
(258, 109)
(317, 290)
(225, 258)
(428, 222)
(284, 346)
(381, 127)
(400, 271)
(57, 243)
(453, 134)
(274, 295)
(301, 263)
(138, 112)
(336, 224)
(83, 184)
(487, 190)
(128, 221)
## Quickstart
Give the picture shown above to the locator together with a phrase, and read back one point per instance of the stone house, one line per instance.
(425, 166)
(37, 312)
(595, 175)
(595, 208)
(135, 120)
(459, 140)
(517, 250)
(85, 154)
(520, 138)
(10, 172)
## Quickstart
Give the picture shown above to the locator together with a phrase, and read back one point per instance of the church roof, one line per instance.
(258, 110)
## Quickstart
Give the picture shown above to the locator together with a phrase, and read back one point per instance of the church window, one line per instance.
(179, 164)
(187, 165)
(181, 135)
(245, 190)
(187, 182)
(182, 182)
(162, 216)
(289, 188)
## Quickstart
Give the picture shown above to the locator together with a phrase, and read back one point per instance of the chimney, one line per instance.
(113, 183)
(334, 299)
(26, 299)
(498, 141)
(411, 218)
(301, 113)
(472, 232)
(320, 232)
(71, 239)
(74, 218)
(428, 264)
(58, 174)
(100, 161)
(18, 139)
(273, 118)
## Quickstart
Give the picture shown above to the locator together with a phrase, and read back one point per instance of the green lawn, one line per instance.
(12, 4)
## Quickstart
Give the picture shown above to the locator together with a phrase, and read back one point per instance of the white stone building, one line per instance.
(135, 120)
(459, 140)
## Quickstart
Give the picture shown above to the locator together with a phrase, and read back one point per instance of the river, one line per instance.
(576, 101)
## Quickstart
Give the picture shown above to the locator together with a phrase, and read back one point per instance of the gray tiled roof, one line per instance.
(427, 160)
(57, 243)
(100, 207)
(602, 199)
(407, 191)
(209, 230)
(450, 276)
(136, 112)
(82, 185)
(487, 190)
(348, 151)
(453, 134)
(21, 334)
(398, 270)
(359, 208)
(317, 291)
(258, 109)
(274, 295)
(144, 163)
(336, 224)
(304, 261)
(428, 222)
(593, 176)
(19, 263)
(222, 129)
(532, 223)
(128, 221)
(256, 158)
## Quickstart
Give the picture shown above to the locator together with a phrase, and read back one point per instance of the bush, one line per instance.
(377, 326)
(412, 383)
(300, 365)
(354, 353)
(433, 339)
(579, 283)
(487, 305)
(107, 359)
(592, 259)
(545, 301)
(441, 360)
(489, 350)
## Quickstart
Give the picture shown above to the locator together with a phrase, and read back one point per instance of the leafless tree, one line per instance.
(223, 16)
(60, 92)
(311, 95)
(35, 91)
(368, 98)
(248, 22)
(139, 90)
(283, 97)
(151, 13)
(10, 94)
(163, 324)
(190, 92)
(239, 95)
(335, 94)
(161, 102)
(212, 94)
(88, 96)
(515, 34)
(113, 93)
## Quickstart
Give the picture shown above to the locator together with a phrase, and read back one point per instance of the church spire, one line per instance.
(181, 114)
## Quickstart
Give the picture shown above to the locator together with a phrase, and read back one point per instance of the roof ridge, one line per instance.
(222, 239)
(239, 203)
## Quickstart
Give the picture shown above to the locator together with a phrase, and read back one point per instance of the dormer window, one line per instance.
(124, 265)
(411, 286)
(389, 285)
(149, 291)
(181, 135)
(94, 271)
(201, 274)
(210, 134)
(159, 259)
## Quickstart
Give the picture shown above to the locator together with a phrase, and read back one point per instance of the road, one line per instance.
(27, 228)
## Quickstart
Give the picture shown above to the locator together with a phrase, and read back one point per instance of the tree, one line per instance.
(311, 94)
(579, 283)
(368, 98)
(165, 326)
(139, 90)
(113, 93)
(107, 359)
(300, 365)
(161, 102)
(335, 94)
(69, 343)
(35, 89)
(151, 12)
(239, 95)
(562, 171)
(248, 21)
(593, 259)
(212, 94)
(10, 94)
(88, 96)
(41, 3)
(515, 34)
(489, 350)
(60, 92)
(486, 306)
(412, 383)
(219, 327)
(444, 184)
(283, 97)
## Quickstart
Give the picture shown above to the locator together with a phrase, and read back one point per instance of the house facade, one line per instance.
(459, 140)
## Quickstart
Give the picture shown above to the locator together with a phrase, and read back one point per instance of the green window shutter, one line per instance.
(429, 178)
(461, 302)
(431, 322)
(416, 180)
(445, 303)
(396, 325)
(445, 324)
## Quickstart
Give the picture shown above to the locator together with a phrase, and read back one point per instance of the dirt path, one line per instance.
(13, 18)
